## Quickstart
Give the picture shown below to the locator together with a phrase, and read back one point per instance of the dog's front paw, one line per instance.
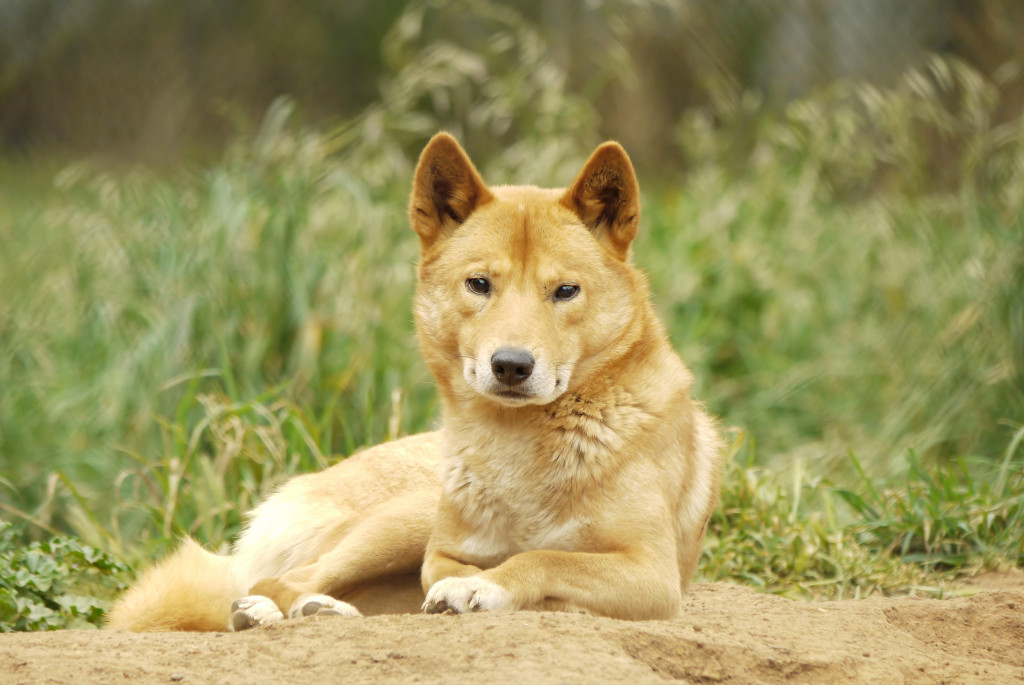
(321, 605)
(254, 610)
(464, 595)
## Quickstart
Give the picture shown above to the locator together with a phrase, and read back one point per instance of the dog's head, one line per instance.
(523, 292)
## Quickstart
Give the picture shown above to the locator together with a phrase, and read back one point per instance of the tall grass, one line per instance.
(132, 296)
(841, 290)
(175, 345)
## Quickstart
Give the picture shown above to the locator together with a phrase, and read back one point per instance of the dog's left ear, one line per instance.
(446, 189)
(606, 198)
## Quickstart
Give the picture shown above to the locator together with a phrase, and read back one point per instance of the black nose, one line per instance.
(511, 366)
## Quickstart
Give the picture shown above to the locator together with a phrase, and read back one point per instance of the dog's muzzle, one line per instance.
(514, 376)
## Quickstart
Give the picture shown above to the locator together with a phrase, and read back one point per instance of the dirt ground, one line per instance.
(726, 634)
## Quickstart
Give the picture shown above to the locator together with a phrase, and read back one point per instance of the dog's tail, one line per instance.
(190, 590)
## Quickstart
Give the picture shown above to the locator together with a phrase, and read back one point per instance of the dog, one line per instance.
(572, 469)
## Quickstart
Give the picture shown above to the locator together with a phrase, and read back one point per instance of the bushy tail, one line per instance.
(190, 590)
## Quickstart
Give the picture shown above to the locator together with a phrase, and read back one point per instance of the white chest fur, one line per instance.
(508, 509)
(534, 482)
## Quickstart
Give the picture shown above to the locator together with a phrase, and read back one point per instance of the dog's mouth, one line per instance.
(511, 395)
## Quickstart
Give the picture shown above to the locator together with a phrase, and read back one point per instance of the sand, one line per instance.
(726, 634)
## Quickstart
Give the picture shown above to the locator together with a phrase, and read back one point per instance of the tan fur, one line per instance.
(582, 481)
(356, 531)
(594, 491)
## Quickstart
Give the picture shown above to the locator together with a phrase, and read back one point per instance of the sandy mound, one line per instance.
(727, 634)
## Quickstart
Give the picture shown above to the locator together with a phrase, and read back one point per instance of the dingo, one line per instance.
(572, 469)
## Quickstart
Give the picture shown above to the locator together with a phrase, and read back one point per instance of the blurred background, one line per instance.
(166, 80)
(205, 265)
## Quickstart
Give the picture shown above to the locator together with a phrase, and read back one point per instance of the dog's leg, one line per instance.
(618, 585)
(388, 541)
(437, 566)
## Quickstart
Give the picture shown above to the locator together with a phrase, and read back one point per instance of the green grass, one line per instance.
(797, 534)
(175, 345)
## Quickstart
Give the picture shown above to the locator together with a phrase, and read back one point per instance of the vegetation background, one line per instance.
(206, 271)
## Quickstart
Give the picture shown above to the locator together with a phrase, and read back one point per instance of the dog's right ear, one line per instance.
(446, 189)
(606, 198)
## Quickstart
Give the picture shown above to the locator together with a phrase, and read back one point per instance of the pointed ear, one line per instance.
(446, 189)
(606, 198)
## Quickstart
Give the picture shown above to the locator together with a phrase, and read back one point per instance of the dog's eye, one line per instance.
(478, 285)
(566, 292)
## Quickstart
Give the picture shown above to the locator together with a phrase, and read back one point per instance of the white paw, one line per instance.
(322, 605)
(254, 610)
(465, 595)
